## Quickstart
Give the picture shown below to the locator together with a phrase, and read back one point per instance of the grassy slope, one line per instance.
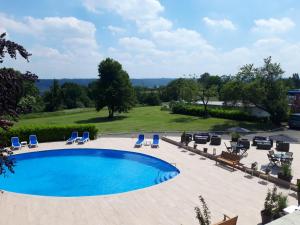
(138, 119)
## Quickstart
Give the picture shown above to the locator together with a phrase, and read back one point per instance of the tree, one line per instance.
(264, 88)
(53, 97)
(205, 94)
(182, 89)
(114, 88)
(74, 96)
(11, 87)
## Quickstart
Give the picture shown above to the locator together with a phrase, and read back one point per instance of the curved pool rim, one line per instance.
(41, 154)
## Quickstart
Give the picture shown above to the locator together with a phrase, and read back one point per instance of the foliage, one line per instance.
(46, 133)
(196, 110)
(286, 170)
(181, 89)
(53, 97)
(6, 162)
(147, 96)
(235, 135)
(205, 93)
(264, 88)
(74, 96)
(114, 88)
(203, 214)
(274, 202)
(11, 91)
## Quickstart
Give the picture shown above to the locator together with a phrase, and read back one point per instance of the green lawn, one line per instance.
(138, 119)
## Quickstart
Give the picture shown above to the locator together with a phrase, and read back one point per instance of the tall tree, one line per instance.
(53, 97)
(182, 89)
(11, 84)
(205, 94)
(263, 87)
(114, 88)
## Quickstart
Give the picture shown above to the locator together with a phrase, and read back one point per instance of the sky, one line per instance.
(152, 38)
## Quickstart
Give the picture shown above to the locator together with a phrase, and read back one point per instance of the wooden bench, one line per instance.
(228, 221)
(228, 159)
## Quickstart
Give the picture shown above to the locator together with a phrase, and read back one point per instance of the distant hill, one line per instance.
(44, 84)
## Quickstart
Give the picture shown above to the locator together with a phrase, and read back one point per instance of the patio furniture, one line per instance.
(186, 138)
(228, 159)
(215, 140)
(73, 138)
(284, 158)
(273, 160)
(229, 148)
(201, 138)
(33, 141)
(282, 146)
(244, 142)
(15, 143)
(85, 137)
(264, 144)
(155, 141)
(228, 221)
(258, 138)
(140, 141)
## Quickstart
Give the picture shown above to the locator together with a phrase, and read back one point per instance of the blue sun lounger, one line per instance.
(33, 141)
(15, 143)
(140, 141)
(155, 141)
(85, 137)
(73, 138)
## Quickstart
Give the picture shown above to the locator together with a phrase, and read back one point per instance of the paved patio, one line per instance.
(171, 202)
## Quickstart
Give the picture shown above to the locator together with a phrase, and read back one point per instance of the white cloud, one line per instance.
(223, 24)
(134, 43)
(57, 44)
(181, 39)
(273, 25)
(128, 9)
(145, 13)
(116, 30)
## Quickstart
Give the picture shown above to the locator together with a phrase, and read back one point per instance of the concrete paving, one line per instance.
(171, 202)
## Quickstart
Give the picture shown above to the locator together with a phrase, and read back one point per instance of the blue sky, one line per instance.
(151, 38)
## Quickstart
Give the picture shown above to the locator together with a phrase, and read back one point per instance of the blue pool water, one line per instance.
(85, 172)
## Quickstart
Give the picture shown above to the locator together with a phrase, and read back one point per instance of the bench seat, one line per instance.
(228, 159)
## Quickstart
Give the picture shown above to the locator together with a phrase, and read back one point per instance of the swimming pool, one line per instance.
(85, 172)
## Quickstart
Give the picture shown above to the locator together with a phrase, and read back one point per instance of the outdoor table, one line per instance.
(23, 143)
(236, 148)
(147, 143)
(282, 157)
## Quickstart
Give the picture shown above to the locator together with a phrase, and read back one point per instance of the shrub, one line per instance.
(46, 133)
(196, 110)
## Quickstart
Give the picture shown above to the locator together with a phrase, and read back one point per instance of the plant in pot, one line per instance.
(273, 206)
(285, 173)
(235, 136)
(281, 204)
(269, 205)
(203, 213)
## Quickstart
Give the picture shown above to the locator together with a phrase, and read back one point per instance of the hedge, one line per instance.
(46, 133)
(233, 114)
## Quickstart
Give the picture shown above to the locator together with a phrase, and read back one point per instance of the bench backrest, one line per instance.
(231, 221)
(230, 156)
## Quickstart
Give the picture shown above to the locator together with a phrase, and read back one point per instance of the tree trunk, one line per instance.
(110, 113)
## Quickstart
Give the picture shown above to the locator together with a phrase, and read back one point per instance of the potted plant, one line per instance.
(235, 136)
(203, 214)
(298, 191)
(285, 173)
(273, 206)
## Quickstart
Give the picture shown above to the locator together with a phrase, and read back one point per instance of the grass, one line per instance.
(140, 119)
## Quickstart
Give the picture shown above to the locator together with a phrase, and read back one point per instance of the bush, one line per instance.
(46, 133)
(196, 110)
